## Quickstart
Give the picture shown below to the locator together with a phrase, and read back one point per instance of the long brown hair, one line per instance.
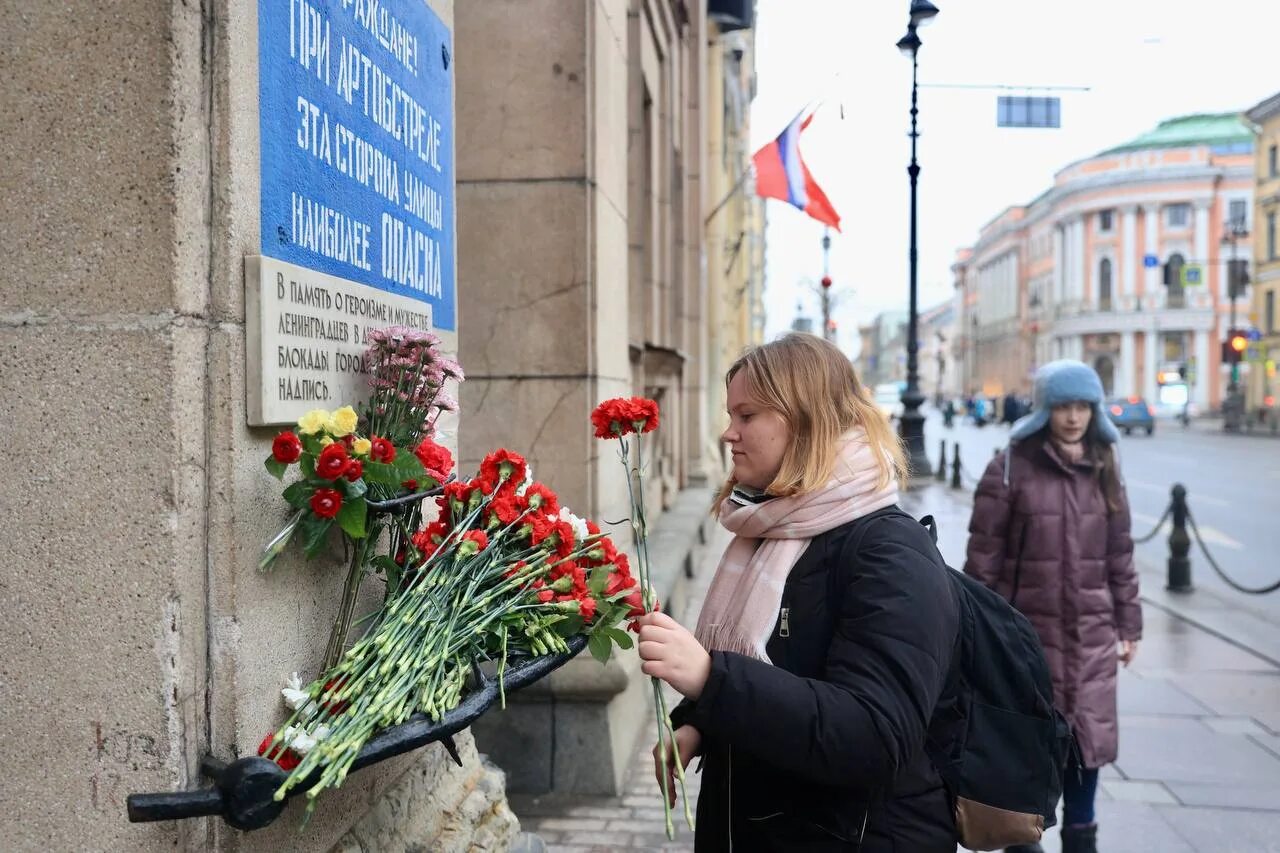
(1103, 454)
(813, 386)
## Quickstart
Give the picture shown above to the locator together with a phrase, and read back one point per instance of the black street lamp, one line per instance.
(911, 423)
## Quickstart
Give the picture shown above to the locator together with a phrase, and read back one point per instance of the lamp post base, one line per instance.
(911, 430)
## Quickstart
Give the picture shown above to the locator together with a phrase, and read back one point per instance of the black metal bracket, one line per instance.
(243, 790)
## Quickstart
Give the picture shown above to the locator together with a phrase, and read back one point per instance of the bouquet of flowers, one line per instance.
(348, 460)
(503, 570)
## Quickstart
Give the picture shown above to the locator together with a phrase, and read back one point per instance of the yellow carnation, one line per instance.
(313, 421)
(342, 422)
(361, 446)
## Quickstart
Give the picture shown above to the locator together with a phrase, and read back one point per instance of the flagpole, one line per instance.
(737, 185)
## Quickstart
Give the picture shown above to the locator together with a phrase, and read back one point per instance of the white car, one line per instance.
(888, 396)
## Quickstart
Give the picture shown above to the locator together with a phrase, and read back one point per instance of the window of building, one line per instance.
(1174, 346)
(1177, 215)
(1104, 285)
(1104, 220)
(1173, 281)
(1271, 236)
(1238, 212)
(1273, 161)
(1271, 312)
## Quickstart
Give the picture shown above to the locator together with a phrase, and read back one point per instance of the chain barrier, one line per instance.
(1159, 524)
(1214, 563)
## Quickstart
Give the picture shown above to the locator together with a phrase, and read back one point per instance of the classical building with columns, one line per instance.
(1122, 263)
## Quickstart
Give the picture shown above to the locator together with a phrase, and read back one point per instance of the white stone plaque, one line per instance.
(305, 334)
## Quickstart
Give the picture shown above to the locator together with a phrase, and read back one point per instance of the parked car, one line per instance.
(888, 396)
(1130, 413)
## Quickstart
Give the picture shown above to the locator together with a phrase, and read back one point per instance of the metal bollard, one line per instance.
(1179, 544)
(955, 467)
(941, 474)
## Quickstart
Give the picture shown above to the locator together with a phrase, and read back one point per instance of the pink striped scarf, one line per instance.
(742, 604)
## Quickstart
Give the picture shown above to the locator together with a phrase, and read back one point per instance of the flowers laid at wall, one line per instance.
(496, 574)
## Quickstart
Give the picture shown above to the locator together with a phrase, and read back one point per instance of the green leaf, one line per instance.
(619, 636)
(308, 465)
(567, 626)
(409, 466)
(351, 517)
(350, 489)
(314, 529)
(382, 474)
(276, 467)
(597, 581)
(600, 646)
(299, 494)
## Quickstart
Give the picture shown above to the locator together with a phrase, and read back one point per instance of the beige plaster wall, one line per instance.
(137, 632)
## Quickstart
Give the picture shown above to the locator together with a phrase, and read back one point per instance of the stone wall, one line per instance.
(138, 634)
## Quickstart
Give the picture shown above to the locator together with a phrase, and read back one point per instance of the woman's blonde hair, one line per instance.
(813, 386)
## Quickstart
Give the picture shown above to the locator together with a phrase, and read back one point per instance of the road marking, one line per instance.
(1210, 535)
(1199, 498)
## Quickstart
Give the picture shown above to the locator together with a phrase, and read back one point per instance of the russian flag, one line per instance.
(782, 174)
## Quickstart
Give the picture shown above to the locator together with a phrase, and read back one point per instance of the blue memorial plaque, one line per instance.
(355, 102)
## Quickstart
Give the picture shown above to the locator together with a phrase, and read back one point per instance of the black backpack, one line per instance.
(996, 738)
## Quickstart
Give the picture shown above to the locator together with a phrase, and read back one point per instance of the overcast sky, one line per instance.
(1143, 61)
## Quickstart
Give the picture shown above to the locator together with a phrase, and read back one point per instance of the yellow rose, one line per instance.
(361, 446)
(325, 441)
(342, 422)
(313, 421)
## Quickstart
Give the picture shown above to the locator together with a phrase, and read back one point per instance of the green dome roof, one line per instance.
(1219, 130)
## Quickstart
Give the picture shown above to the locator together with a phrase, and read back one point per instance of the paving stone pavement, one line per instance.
(1199, 764)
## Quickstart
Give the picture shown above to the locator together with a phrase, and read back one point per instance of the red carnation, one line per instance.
(428, 539)
(286, 758)
(636, 603)
(326, 502)
(618, 581)
(587, 608)
(609, 419)
(286, 448)
(545, 595)
(436, 459)
(382, 450)
(593, 528)
(355, 470)
(539, 526)
(563, 532)
(643, 414)
(479, 537)
(541, 498)
(332, 461)
(502, 466)
(504, 509)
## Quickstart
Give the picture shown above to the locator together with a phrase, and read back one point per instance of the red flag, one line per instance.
(782, 174)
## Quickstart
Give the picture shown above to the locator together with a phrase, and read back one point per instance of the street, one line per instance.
(1233, 492)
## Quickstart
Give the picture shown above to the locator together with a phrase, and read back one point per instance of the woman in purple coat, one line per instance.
(1050, 532)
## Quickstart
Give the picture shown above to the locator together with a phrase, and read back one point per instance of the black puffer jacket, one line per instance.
(824, 749)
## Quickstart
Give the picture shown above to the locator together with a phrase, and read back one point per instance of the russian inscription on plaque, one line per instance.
(357, 192)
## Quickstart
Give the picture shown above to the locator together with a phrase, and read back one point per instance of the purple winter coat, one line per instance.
(1047, 543)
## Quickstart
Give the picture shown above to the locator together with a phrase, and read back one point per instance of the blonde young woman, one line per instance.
(827, 633)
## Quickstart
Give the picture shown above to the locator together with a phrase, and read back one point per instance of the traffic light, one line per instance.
(1234, 346)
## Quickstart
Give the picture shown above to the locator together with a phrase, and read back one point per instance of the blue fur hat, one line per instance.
(1061, 382)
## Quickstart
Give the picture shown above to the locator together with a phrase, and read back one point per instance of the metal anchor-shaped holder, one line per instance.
(243, 790)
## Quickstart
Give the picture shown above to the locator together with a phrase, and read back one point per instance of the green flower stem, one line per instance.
(350, 593)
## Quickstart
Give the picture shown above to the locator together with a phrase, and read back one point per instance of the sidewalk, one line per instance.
(1199, 765)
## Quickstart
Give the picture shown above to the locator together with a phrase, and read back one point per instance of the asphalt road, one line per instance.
(1233, 492)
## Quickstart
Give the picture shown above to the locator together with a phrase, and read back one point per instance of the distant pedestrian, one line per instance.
(819, 655)
(1050, 532)
(1012, 409)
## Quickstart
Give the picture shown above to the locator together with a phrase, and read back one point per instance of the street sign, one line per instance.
(1254, 335)
(1150, 261)
(1192, 275)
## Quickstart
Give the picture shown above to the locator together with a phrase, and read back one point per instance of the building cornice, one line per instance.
(1264, 111)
